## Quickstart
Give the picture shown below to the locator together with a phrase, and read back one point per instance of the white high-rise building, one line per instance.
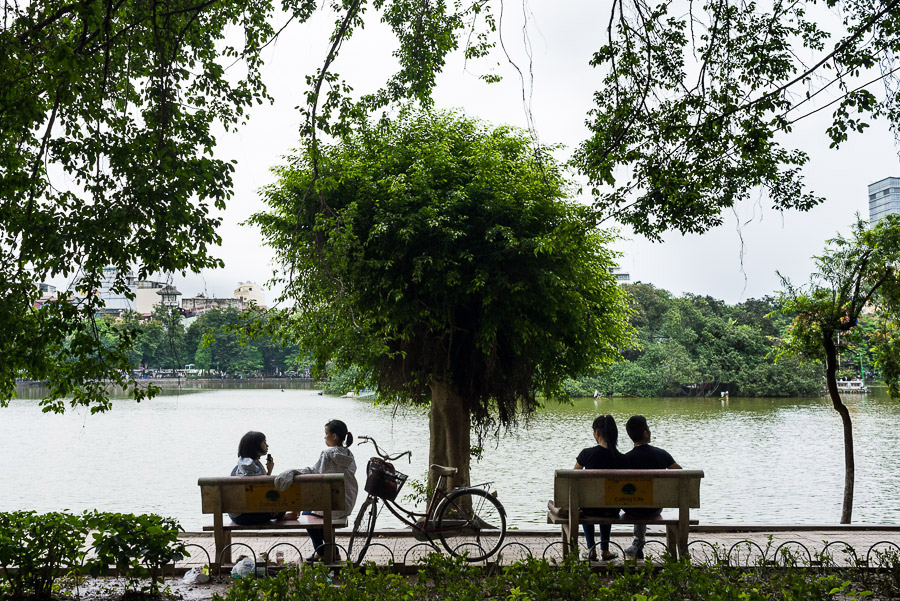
(884, 198)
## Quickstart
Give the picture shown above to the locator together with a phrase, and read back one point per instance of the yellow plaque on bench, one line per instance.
(266, 498)
(633, 491)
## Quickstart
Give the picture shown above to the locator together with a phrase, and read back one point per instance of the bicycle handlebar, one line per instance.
(383, 454)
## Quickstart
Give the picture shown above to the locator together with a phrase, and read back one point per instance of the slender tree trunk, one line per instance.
(849, 464)
(450, 425)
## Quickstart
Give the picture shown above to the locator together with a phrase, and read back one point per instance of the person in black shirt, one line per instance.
(603, 456)
(643, 456)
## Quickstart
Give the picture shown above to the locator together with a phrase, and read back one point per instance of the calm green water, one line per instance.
(766, 460)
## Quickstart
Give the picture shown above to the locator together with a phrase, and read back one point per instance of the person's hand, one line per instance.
(270, 464)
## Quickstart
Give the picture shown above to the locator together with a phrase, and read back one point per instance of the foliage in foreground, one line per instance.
(441, 577)
(44, 547)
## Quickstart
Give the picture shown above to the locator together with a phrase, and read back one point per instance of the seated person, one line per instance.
(643, 456)
(335, 459)
(252, 447)
(602, 456)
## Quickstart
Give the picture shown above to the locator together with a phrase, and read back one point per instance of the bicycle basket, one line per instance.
(383, 480)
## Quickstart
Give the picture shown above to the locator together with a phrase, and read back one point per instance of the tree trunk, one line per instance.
(449, 422)
(849, 465)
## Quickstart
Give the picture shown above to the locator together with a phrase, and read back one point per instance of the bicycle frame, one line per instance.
(424, 524)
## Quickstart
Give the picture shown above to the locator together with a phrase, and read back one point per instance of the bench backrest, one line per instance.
(309, 492)
(627, 488)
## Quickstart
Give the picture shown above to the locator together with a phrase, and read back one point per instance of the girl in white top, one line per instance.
(335, 459)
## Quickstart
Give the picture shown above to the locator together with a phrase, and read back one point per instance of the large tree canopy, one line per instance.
(855, 274)
(106, 116)
(442, 257)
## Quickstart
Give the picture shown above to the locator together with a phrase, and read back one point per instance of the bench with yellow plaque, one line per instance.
(575, 490)
(321, 493)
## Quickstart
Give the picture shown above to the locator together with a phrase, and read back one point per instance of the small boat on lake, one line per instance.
(852, 386)
(359, 394)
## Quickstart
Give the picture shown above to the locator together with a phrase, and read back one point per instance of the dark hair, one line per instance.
(606, 426)
(636, 426)
(339, 429)
(251, 444)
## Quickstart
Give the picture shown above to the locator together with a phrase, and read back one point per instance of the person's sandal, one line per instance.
(607, 555)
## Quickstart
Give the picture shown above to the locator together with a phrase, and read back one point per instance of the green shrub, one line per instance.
(138, 546)
(442, 577)
(38, 547)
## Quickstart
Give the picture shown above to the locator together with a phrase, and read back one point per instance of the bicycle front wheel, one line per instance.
(471, 523)
(363, 527)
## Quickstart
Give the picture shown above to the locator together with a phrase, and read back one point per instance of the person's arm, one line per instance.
(577, 466)
(673, 465)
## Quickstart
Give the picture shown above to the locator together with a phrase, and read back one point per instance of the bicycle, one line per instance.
(468, 521)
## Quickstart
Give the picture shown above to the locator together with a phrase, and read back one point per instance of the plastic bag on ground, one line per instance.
(196, 575)
(243, 567)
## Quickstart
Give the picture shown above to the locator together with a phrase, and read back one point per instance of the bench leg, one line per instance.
(672, 540)
(566, 540)
(683, 542)
(223, 542)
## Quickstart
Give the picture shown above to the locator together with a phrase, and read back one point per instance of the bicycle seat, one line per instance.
(440, 470)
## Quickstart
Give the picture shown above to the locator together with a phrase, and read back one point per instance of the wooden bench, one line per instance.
(574, 490)
(322, 493)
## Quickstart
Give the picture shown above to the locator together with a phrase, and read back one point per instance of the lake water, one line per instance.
(766, 460)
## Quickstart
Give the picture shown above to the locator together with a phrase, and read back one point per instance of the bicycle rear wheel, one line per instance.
(471, 523)
(363, 526)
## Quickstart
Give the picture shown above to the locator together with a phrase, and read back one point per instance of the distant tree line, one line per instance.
(700, 346)
(688, 346)
(214, 342)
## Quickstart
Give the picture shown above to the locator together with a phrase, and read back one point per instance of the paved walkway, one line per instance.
(745, 546)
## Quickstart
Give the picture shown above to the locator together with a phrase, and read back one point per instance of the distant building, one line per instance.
(168, 296)
(244, 294)
(250, 292)
(884, 198)
(147, 294)
(114, 302)
(622, 277)
(48, 293)
(201, 304)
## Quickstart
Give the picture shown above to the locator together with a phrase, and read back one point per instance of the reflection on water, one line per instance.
(766, 460)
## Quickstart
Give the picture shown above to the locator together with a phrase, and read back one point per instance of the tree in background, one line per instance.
(441, 257)
(853, 273)
(219, 346)
(700, 346)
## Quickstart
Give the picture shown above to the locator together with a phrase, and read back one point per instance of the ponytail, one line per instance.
(606, 426)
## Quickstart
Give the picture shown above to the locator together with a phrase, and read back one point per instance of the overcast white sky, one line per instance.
(563, 35)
